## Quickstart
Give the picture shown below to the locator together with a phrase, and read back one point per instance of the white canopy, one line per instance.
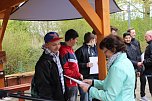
(52, 10)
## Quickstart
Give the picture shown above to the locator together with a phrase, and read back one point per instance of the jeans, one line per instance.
(72, 93)
(83, 96)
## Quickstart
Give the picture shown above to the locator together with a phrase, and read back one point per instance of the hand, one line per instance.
(89, 64)
(88, 81)
(138, 74)
(140, 64)
(84, 87)
(81, 77)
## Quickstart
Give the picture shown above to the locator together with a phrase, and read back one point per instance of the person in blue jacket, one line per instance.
(119, 83)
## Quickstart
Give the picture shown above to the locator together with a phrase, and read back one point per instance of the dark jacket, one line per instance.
(95, 49)
(148, 59)
(133, 55)
(83, 55)
(47, 80)
(136, 44)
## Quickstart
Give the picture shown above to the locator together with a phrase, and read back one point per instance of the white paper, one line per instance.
(142, 57)
(94, 68)
(75, 80)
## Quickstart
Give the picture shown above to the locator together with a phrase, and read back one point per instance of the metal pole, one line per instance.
(128, 9)
(7, 93)
(27, 97)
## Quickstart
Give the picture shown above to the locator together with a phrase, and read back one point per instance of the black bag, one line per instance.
(34, 91)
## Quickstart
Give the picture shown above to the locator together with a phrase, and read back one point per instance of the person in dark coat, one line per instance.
(133, 55)
(95, 45)
(83, 53)
(148, 59)
(48, 81)
(132, 52)
(136, 43)
(114, 30)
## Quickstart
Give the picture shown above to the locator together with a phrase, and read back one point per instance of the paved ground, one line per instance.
(147, 91)
(137, 93)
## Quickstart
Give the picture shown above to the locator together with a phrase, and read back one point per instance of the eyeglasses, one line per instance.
(105, 51)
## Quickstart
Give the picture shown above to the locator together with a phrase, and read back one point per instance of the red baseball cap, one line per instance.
(51, 36)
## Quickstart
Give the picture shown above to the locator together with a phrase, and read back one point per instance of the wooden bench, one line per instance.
(16, 88)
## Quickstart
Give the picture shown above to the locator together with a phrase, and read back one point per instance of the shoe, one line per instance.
(144, 99)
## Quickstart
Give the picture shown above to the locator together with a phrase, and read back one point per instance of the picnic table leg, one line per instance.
(20, 98)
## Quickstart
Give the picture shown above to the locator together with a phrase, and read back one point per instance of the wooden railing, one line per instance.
(18, 88)
(19, 78)
(19, 82)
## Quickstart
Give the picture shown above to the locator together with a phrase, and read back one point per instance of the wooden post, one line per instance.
(103, 10)
(5, 11)
(99, 21)
(2, 31)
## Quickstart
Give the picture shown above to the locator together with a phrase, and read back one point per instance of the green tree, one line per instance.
(21, 55)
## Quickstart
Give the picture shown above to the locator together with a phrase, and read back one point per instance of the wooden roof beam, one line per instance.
(88, 12)
(5, 4)
(2, 15)
(4, 24)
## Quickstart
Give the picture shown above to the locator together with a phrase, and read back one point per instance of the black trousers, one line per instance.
(135, 85)
(142, 85)
(150, 84)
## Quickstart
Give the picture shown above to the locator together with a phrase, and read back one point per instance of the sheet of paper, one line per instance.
(94, 69)
(75, 80)
(142, 57)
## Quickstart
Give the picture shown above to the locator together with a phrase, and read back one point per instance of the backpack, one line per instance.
(34, 91)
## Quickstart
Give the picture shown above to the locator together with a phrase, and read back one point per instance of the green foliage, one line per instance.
(140, 18)
(80, 25)
(140, 25)
(23, 40)
(21, 56)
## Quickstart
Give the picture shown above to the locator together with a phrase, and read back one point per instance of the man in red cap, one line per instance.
(48, 81)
